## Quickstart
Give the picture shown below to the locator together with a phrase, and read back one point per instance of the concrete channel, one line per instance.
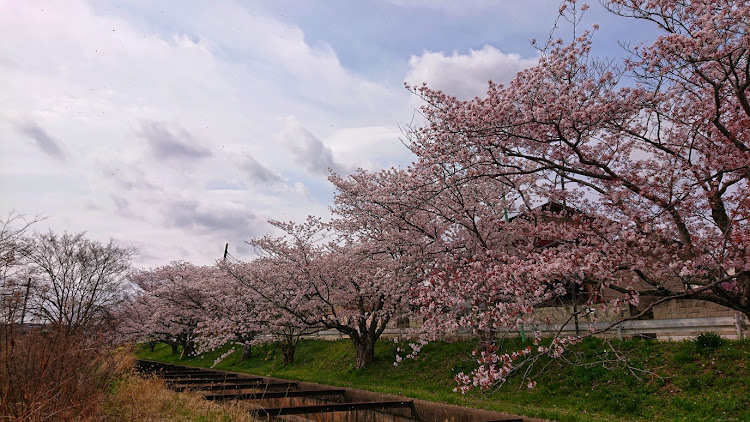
(278, 399)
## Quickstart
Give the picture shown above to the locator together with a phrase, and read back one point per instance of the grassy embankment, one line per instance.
(683, 381)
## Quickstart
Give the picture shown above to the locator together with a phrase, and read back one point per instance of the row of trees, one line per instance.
(644, 165)
(314, 277)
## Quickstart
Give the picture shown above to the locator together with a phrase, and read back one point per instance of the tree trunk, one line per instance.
(187, 349)
(288, 347)
(247, 352)
(743, 282)
(151, 346)
(365, 351)
(175, 347)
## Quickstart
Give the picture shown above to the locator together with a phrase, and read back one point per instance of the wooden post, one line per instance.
(738, 325)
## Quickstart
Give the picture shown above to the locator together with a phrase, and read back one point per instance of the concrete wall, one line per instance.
(674, 320)
(560, 314)
(690, 309)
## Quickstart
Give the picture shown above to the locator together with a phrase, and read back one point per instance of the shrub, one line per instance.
(708, 341)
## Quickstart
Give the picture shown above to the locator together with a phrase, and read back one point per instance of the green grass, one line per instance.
(679, 381)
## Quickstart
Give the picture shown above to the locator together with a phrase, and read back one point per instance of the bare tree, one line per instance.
(78, 279)
(55, 370)
(15, 286)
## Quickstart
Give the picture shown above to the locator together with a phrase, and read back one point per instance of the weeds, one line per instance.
(47, 373)
(708, 341)
(134, 398)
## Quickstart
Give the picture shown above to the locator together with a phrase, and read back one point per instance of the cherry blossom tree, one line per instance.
(648, 160)
(275, 309)
(170, 305)
(201, 308)
(330, 280)
(233, 313)
(662, 166)
(455, 236)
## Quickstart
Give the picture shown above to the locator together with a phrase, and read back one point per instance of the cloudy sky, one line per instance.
(179, 126)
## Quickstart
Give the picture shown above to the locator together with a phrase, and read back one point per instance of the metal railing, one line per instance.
(663, 329)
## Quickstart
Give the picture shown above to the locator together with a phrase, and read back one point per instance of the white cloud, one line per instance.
(170, 135)
(369, 147)
(307, 150)
(465, 75)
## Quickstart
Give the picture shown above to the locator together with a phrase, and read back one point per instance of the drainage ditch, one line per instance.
(277, 399)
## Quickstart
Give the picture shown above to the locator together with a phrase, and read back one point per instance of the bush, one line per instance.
(708, 341)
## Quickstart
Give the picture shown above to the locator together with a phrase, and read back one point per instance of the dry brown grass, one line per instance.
(135, 398)
(52, 376)
(48, 374)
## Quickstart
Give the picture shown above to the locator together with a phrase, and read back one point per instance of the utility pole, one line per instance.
(25, 300)
(574, 294)
(226, 251)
